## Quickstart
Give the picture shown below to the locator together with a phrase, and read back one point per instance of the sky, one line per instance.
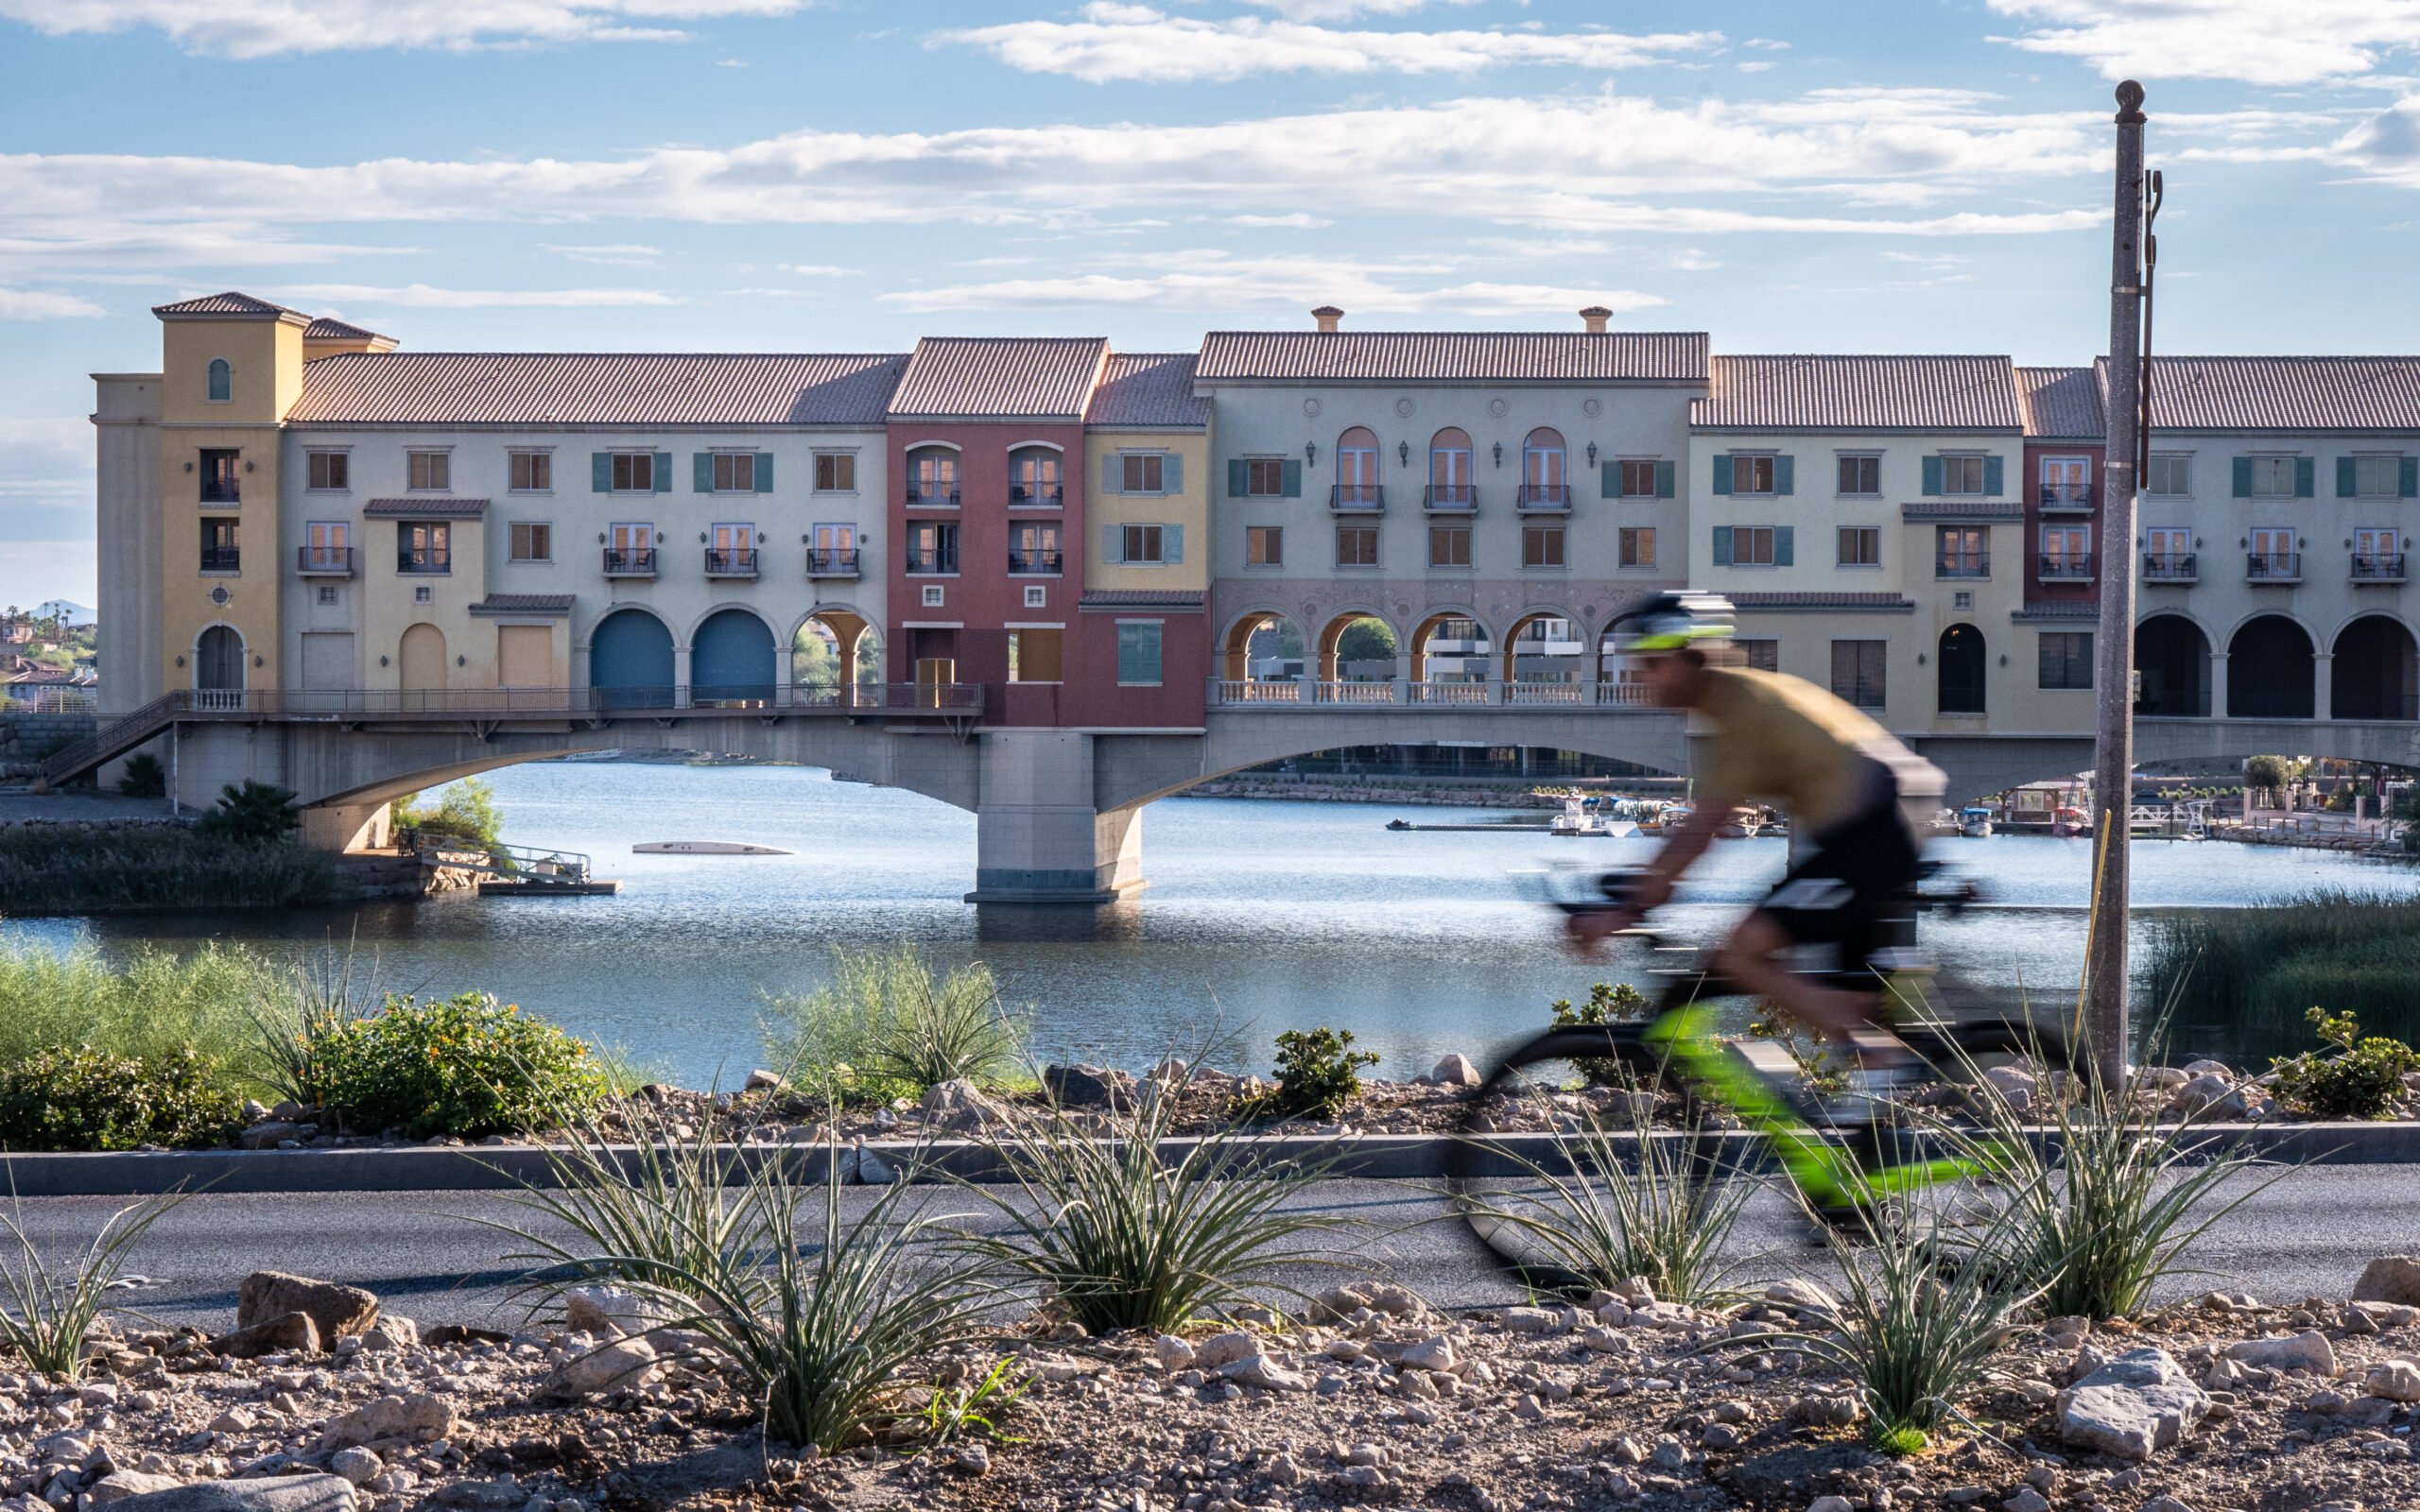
(846, 175)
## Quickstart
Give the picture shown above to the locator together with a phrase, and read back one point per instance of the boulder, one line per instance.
(1539, 1320)
(608, 1311)
(418, 1418)
(960, 1105)
(2395, 1380)
(1455, 1071)
(1428, 1354)
(1222, 1350)
(761, 1080)
(357, 1465)
(627, 1363)
(2390, 1279)
(1378, 1297)
(121, 1486)
(2210, 1067)
(1262, 1371)
(338, 1311)
(1083, 1085)
(2202, 1093)
(1829, 1503)
(269, 1135)
(285, 1333)
(391, 1333)
(2134, 1404)
(1172, 1352)
(2307, 1351)
(282, 1493)
(1801, 1296)
(481, 1496)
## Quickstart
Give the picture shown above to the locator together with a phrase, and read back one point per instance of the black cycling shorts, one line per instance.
(1861, 875)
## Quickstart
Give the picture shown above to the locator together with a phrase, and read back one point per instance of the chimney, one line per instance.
(1594, 317)
(1328, 315)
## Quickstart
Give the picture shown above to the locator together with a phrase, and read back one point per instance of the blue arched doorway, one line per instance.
(629, 659)
(731, 659)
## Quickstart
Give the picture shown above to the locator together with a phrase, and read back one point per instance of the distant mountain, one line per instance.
(62, 608)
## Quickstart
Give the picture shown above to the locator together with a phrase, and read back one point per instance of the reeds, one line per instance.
(2260, 968)
(152, 1006)
(890, 1022)
(85, 870)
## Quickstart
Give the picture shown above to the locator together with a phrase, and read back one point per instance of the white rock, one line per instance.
(1222, 1350)
(2165, 1503)
(960, 1105)
(2395, 1380)
(119, 1486)
(391, 1333)
(2209, 1068)
(1262, 1371)
(2027, 1500)
(1456, 1071)
(625, 1362)
(1830, 1504)
(2202, 1093)
(2390, 1279)
(1172, 1352)
(1538, 1319)
(420, 1417)
(761, 1080)
(2307, 1351)
(270, 1494)
(608, 1311)
(357, 1465)
(2134, 1404)
(1802, 1296)
(1436, 1353)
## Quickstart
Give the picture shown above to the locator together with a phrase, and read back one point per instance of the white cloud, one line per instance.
(1214, 281)
(1758, 67)
(1767, 45)
(92, 248)
(422, 296)
(2387, 145)
(1299, 221)
(1690, 260)
(32, 304)
(55, 435)
(2260, 42)
(1123, 42)
(1345, 10)
(816, 270)
(611, 254)
(259, 28)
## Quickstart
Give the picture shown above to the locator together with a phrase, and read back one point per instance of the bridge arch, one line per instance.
(1332, 647)
(2172, 658)
(833, 646)
(1508, 661)
(629, 658)
(1260, 635)
(2271, 669)
(1456, 627)
(2375, 673)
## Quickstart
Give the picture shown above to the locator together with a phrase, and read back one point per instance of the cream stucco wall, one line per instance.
(1187, 506)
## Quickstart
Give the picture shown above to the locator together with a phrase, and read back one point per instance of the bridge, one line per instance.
(1058, 811)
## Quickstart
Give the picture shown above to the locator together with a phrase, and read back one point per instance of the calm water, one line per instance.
(1260, 917)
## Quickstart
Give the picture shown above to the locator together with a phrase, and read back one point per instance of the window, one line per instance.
(932, 547)
(836, 473)
(2376, 477)
(1033, 547)
(1356, 545)
(2066, 551)
(329, 471)
(2168, 551)
(222, 381)
(1962, 474)
(1857, 672)
(223, 477)
(1037, 597)
(1639, 546)
(532, 540)
(932, 596)
(1638, 479)
(1961, 551)
(221, 547)
(731, 549)
(633, 472)
(1543, 479)
(1541, 545)
(2067, 481)
(1861, 477)
(423, 595)
(2377, 547)
(1143, 546)
(425, 546)
(429, 472)
(1752, 546)
(1751, 474)
(932, 476)
(1265, 546)
(327, 592)
(1860, 546)
(1449, 468)
(1034, 655)
(629, 547)
(531, 472)
(1762, 656)
(327, 546)
(833, 549)
(1265, 477)
(2272, 554)
(2171, 475)
(1959, 671)
(2272, 477)
(2066, 659)
(1142, 472)
(1449, 546)
(735, 472)
(1138, 653)
(1033, 479)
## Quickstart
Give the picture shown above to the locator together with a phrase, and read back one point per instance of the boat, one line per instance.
(1585, 817)
(2070, 822)
(706, 848)
(1398, 824)
(1742, 825)
(1974, 822)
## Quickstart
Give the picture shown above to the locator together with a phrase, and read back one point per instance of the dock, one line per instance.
(512, 871)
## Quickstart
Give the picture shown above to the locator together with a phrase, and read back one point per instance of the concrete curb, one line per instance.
(1375, 1156)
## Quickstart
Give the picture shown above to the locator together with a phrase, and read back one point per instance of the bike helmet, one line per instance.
(1669, 621)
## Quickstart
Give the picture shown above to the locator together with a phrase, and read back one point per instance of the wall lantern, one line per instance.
(464, 660)
(1311, 453)
(2003, 658)
(1500, 453)
(251, 467)
(181, 661)
(1920, 659)
(1592, 454)
(259, 661)
(382, 661)
(1403, 452)
(188, 466)
(600, 538)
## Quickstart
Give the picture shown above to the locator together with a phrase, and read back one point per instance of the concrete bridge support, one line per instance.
(1039, 838)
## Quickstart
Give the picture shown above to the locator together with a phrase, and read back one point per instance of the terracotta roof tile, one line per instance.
(1808, 392)
(230, 302)
(2062, 404)
(2059, 608)
(2283, 393)
(1000, 377)
(424, 509)
(1148, 388)
(1869, 602)
(1453, 356)
(1963, 509)
(328, 328)
(1174, 598)
(523, 604)
(596, 388)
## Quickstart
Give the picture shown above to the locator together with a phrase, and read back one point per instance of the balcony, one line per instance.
(1033, 496)
(1964, 565)
(219, 493)
(932, 498)
(2174, 567)
(2373, 567)
(1449, 498)
(2067, 498)
(835, 563)
(1543, 498)
(2280, 567)
(932, 564)
(324, 561)
(1357, 498)
(738, 562)
(424, 563)
(637, 561)
(1035, 563)
(222, 559)
(2072, 567)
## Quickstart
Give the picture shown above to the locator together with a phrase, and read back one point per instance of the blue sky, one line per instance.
(829, 175)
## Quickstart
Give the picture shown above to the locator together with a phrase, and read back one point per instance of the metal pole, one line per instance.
(2105, 968)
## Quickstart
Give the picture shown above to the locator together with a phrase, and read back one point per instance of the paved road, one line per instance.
(427, 1255)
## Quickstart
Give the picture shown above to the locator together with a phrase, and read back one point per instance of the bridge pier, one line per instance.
(1040, 835)
(345, 826)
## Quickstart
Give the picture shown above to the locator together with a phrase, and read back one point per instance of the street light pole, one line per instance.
(2105, 965)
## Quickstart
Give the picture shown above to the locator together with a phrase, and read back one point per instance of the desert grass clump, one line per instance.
(154, 1006)
(299, 1012)
(891, 1023)
(51, 1306)
(106, 869)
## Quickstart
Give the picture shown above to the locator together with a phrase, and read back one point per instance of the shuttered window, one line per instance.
(1857, 672)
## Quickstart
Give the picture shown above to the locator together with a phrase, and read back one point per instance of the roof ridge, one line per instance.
(591, 356)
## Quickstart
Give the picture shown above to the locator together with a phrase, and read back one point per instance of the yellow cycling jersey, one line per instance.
(1782, 740)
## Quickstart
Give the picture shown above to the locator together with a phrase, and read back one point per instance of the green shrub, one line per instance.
(463, 1066)
(101, 869)
(154, 1006)
(1318, 1073)
(75, 1098)
(297, 1014)
(890, 1026)
(254, 814)
(144, 777)
(465, 811)
(2362, 1079)
(1617, 1004)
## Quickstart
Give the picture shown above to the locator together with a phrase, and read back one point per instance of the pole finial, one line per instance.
(2130, 103)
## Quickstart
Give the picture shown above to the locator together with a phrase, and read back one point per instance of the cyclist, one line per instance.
(1847, 787)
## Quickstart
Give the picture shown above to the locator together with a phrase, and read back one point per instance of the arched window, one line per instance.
(1033, 477)
(1542, 466)
(1356, 467)
(932, 475)
(1449, 469)
(1962, 661)
(222, 381)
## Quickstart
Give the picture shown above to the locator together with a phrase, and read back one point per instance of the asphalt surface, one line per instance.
(429, 1258)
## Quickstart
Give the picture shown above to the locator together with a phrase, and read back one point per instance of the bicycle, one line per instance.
(1842, 1171)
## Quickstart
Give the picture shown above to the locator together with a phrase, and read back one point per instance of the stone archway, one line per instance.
(2172, 664)
(421, 657)
(1264, 646)
(1960, 671)
(2375, 671)
(731, 659)
(1450, 645)
(218, 660)
(629, 659)
(833, 650)
(2271, 670)
(1544, 647)
(1353, 647)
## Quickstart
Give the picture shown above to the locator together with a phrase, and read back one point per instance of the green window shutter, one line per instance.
(1784, 545)
(701, 472)
(1293, 480)
(1993, 475)
(664, 472)
(1171, 473)
(2346, 483)
(1173, 545)
(600, 472)
(764, 472)
(1238, 478)
(2243, 477)
(2305, 477)
(1932, 477)
(1112, 473)
(1723, 545)
(1664, 481)
(1722, 474)
(1783, 473)
(1113, 544)
(2407, 477)
(1609, 481)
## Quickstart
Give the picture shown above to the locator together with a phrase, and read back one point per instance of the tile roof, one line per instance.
(230, 302)
(2059, 608)
(2061, 402)
(2283, 393)
(328, 328)
(1179, 598)
(424, 509)
(523, 604)
(596, 388)
(1000, 377)
(1965, 509)
(1453, 356)
(1870, 603)
(1150, 388)
(1859, 393)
